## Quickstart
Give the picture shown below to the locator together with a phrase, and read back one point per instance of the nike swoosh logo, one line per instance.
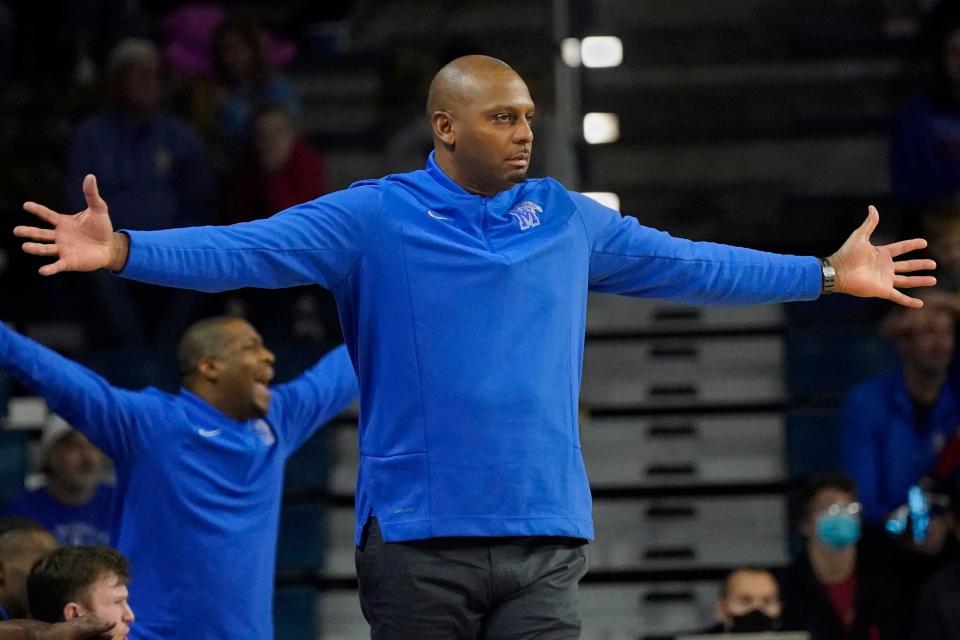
(209, 433)
(436, 216)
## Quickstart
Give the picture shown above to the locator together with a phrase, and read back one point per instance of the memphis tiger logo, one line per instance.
(527, 214)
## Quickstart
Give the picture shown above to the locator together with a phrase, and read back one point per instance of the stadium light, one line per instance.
(606, 198)
(601, 128)
(570, 51)
(601, 51)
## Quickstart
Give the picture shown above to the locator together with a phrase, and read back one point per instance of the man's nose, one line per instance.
(523, 133)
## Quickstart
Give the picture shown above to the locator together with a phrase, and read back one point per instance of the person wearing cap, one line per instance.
(74, 505)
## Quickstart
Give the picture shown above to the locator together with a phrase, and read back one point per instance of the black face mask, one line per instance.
(752, 622)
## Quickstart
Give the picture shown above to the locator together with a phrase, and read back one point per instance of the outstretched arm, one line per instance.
(109, 416)
(304, 405)
(317, 242)
(628, 258)
(868, 271)
(82, 628)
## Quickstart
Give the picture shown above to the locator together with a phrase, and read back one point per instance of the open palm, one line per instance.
(79, 242)
(867, 271)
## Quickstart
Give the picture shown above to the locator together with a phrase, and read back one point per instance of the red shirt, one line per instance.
(256, 194)
(843, 597)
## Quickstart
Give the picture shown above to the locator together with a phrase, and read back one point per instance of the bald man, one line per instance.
(462, 293)
(22, 542)
(199, 472)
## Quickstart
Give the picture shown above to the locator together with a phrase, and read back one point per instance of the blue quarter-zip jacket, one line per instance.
(198, 492)
(465, 317)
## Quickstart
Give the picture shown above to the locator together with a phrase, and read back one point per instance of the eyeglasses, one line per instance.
(850, 508)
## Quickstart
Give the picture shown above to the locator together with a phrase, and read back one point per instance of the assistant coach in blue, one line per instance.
(199, 472)
(462, 293)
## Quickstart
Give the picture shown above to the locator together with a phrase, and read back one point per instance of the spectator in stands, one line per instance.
(188, 33)
(937, 615)
(155, 161)
(157, 167)
(246, 78)
(200, 471)
(70, 582)
(22, 542)
(74, 505)
(895, 425)
(925, 145)
(282, 170)
(749, 602)
(828, 591)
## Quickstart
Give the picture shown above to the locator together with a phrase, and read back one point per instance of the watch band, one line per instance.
(829, 277)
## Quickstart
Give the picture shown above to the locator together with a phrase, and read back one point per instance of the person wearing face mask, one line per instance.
(828, 590)
(749, 602)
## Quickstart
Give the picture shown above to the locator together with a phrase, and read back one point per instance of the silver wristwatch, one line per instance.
(829, 277)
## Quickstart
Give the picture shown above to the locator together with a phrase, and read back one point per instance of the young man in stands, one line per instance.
(200, 472)
(70, 582)
(829, 591)
(749, 602)
(22, 542)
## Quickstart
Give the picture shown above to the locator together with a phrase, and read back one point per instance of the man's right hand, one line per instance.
(81, 242)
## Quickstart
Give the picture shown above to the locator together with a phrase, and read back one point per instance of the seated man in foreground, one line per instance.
(70, 582)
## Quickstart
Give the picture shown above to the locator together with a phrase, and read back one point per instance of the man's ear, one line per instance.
(208, 369)
(442, 123)
(72, 610)
(720, 611)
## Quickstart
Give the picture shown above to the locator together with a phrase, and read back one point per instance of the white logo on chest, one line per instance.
(527, 214)
(263, 430)
(209, 433)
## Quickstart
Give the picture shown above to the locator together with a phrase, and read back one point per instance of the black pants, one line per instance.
(470, 588)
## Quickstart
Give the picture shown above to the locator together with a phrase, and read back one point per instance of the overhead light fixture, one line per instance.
(601, 51)
(570, 51)
(601, 128)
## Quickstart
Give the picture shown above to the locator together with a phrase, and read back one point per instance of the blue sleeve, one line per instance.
(302, 406)
(858, 441)
(631, 259)
(114, 419)
(317, 242)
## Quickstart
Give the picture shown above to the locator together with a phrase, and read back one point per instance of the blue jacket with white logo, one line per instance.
(199, 492)
(465, 316)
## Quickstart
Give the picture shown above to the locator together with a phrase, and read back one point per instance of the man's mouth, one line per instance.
(261, 383)
(519, 159)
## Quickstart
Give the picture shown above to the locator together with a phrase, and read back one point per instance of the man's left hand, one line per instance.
(868, 271)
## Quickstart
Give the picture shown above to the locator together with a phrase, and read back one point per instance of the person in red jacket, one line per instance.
(283, 169)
